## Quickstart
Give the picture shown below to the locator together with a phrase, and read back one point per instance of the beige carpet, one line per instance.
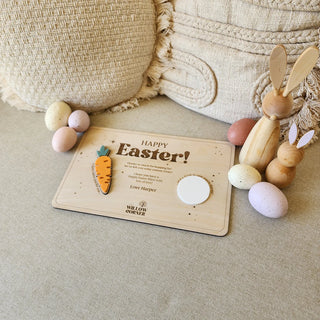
(57, 264)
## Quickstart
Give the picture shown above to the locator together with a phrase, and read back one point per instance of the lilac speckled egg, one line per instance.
(64, 139)
(79, 121)
(268, 200)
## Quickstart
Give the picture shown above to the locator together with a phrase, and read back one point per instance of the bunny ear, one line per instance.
(302, 68)
(305, 139)
(278, 66)
(293, 133)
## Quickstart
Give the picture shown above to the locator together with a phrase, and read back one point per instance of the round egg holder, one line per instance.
(260, 141)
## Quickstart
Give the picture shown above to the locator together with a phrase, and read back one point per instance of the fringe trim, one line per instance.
(9, 96)
(160, 62)
(306, 110)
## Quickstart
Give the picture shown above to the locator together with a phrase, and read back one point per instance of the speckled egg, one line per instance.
(268, 200)
(79, 120)
(64, 139)
(243, 176)
(57, 115)
(239, 131)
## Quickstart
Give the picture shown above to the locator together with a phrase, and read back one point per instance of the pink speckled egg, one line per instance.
(64, 139)
(79, 121)
(268, 200)
(239, 131)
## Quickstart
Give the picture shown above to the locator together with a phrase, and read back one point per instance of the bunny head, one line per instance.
(291, 153)
(278, 103)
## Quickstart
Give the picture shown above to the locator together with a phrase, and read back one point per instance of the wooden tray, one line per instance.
(146, 169)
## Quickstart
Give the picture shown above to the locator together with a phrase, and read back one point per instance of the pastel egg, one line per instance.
(57, 115)
(79, 120)
(64, 139)
(268, 200)
(243, 176)
(239, 131)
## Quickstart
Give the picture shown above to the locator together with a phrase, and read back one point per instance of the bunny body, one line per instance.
(280, 175)
(261, 144)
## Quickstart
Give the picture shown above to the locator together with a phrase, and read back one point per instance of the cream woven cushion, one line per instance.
(90, 53)
(211, 56)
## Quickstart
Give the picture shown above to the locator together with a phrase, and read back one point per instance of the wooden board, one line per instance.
(144, 189)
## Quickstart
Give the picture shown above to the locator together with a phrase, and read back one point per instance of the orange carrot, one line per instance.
(103, 169)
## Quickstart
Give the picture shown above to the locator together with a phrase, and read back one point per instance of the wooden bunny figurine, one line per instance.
(282, 170)
(261, 144)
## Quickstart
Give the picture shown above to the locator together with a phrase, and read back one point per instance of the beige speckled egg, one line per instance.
(57, 115)
(268, 200)
(243, 176)
(79, 120)
(64, 139)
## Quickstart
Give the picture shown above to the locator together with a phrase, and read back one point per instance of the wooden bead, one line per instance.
(277, 105)
(289, 155)
(279, 175)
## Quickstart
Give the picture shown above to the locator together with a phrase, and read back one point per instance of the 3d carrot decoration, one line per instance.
(103, 169)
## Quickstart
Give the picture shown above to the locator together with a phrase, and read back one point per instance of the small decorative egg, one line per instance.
(79, 120)
(268, 200)
(243, 176)
(57, 115)
(239, 131)
(64, 139)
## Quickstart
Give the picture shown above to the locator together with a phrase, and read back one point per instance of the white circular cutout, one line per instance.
(193, 190)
